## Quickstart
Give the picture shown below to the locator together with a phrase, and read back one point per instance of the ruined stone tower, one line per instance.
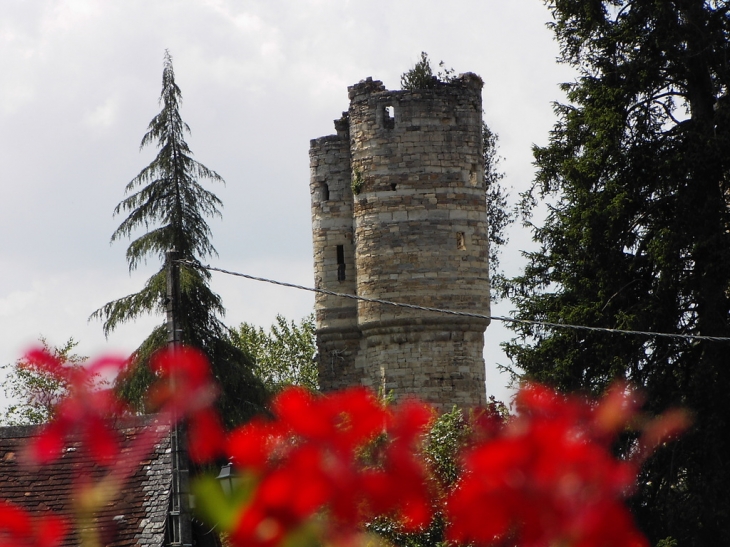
(399, 213)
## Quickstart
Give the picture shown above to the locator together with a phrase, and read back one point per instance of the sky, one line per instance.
(260, 78)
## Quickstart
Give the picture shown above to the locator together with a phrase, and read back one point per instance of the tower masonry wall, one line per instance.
(410, 212)
(334, 258)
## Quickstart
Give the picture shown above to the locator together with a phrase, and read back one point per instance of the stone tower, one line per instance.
(399, 213)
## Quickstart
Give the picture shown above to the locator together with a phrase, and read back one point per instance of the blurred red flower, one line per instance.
(550, 478)
(87, 409)
(19, 529)
(547, 477)
(310, 458)
(186, 389)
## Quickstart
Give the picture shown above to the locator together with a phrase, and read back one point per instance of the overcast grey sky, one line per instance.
(260, 78)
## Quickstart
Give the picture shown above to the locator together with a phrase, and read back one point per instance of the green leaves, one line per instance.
(499, 215)
(420, 76)
(167, 200)
(34, 390)
(220, 508)
(285, 355)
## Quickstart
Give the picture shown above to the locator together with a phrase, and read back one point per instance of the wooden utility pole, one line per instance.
(174, 333)
(179, 519)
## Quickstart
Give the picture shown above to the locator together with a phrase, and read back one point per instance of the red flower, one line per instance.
(550, 478)
(251, 446)
(86, 409)
(547, 477)
(185, 383)
(186, 388)
(205, 435)
(402, 472)
(309, 459)
(19, 529)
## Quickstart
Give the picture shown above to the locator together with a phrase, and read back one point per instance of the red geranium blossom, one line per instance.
(546, 478)
(308, 459)
(185, 389)
(86, 409)
(19, 529)
(550, 478)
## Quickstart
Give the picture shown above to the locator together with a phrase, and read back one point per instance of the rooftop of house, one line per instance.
(136, 518)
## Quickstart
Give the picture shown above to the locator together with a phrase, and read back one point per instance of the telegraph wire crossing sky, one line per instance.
(259, 79)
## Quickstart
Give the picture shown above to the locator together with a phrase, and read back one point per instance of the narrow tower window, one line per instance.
(325, 192)
(473, 179)
(389, 117)
(460, 241)
(340, 263)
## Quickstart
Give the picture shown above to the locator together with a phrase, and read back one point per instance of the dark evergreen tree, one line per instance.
(168, 197)
(636, 176)
(421, 76)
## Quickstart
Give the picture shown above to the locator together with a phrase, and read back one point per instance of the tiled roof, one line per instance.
(136, 518)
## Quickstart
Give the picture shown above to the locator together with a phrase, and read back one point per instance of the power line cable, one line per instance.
(462, 313)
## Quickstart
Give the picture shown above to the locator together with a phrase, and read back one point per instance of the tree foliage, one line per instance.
(283, 356)
(168, 201)
(449, 437)
(34, 390)
(637, 175)
(421, 76)
(499, 213)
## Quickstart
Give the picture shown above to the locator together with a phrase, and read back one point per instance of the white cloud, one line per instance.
(14, 95)
(246, 22)
(16, 303)
(104, 115)
(69, 15)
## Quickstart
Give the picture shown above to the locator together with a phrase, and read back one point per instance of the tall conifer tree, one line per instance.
(637, 177)
(167, 197)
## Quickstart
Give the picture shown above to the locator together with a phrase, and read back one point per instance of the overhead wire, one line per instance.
(548, 324)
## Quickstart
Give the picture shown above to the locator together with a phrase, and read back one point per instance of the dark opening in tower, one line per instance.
(340, 263)
(389, 117)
